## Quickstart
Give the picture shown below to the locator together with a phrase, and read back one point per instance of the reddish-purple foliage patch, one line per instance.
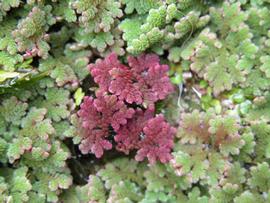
(128, 136)
(143, 81)
(157, 141)
(95, 127)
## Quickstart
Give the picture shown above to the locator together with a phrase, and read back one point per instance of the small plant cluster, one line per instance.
(123, 91)
(134, 101)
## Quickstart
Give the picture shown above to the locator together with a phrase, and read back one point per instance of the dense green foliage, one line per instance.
(219, 57)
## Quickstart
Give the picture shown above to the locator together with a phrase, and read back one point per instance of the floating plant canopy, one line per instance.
(135, 101)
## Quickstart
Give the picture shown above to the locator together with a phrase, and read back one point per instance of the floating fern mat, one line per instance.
(134, 101)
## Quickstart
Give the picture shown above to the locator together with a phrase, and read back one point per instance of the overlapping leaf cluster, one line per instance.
(38, 74)
(30, 142)
(144, 82)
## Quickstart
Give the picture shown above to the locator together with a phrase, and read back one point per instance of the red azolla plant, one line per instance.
(95, 129)
(128, 136)
(113, 110)
(117, 112)
(157, 141)
(144, 80)
(97, 116)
